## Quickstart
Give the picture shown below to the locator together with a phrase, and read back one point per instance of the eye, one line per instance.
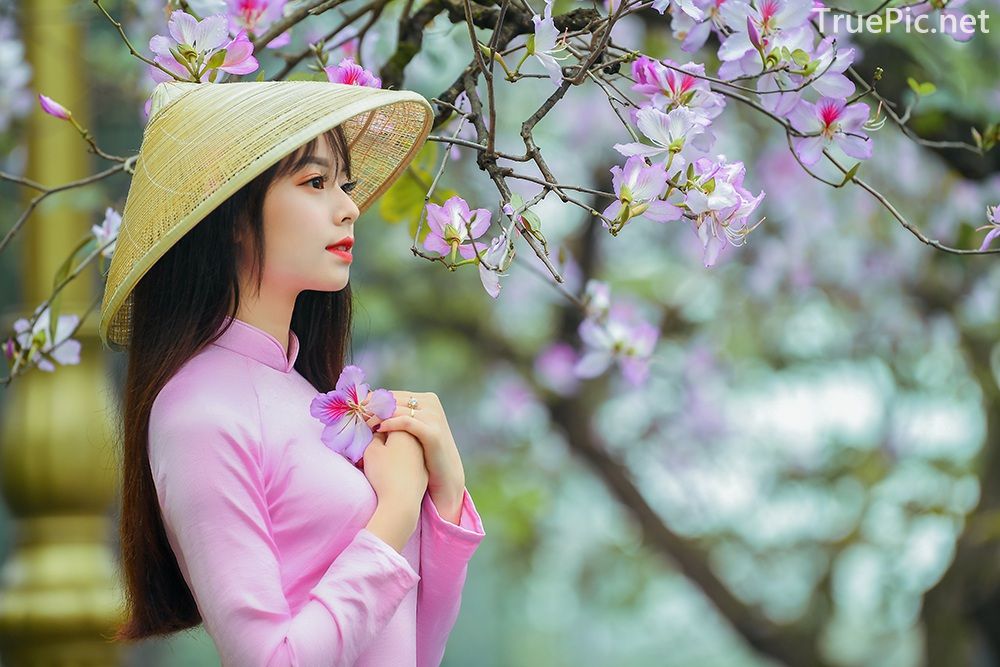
(349, 185)
(318, 178)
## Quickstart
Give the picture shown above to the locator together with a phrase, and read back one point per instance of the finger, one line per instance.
(421, 430)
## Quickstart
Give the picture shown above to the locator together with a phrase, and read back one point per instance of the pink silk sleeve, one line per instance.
(445, 551)
(207, 467)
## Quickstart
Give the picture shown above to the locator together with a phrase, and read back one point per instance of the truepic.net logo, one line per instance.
(950, 23)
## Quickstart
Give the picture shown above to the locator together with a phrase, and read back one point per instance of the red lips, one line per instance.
(345, 243)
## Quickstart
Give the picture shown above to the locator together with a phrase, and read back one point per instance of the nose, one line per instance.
(347, 210)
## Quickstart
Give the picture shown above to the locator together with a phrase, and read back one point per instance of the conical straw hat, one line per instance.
(205, 141)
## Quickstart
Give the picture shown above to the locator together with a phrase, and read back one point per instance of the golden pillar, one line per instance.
(60, 596)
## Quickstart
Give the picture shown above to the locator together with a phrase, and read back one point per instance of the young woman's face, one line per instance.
(304, 213)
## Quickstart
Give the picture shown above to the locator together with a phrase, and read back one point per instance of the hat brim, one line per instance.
(202, 146)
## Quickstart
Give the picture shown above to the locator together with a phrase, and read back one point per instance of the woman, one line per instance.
(229, 287)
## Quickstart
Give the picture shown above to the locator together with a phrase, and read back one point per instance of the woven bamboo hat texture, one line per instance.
(204, 141)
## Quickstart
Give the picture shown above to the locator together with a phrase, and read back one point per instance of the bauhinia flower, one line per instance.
(53, 108)
(256, 17)
(199, 48)
(499, 254)
(681, 134)
(686, 6)
(448, 230)
(346, 410)
(692, 32)
(638, 188)
(721, 206)
(107, 231)
(830, 121)
(41, 343)
(619, 339)
(993, 215)
(349, 72)
(596, 299)
(546, 41)
(668, 88)
(775, 23)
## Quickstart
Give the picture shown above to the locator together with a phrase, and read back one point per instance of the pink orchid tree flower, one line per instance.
(43, 343)
(721, 206)
(681, 134)
(776, 23)
(192, 50)
(349, 72)
(499, 254)
(625, 340)
(345, 411)
(596, 299)
(255, 17)
(638, 187)
(693, 33)
(825, 70)
(668, 88)
(545, 42)
(53, 108)
(107, 231)
(993, 215)
(830, 121)
(448, 227)
(687, 7)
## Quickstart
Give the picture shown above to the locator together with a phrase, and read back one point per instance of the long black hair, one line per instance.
(179, 305)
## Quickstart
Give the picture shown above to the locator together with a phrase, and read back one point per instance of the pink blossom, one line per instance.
(44, 343)
(777, 23)
(256, 17)
(345, 413)
(546, 41)
(832, 122)
(203, 39)
(668, 88)
(53, 108)
(993, 215)
(687, 7)
(638, 188)
(349, 72)
(721, 206)
(627, 341)
(692, 32)
(681, 134)
(499, 254)
(448, 231)
(107, 231)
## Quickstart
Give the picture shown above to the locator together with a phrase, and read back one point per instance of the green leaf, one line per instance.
(532, 220)
(217, 59)
(800, 57)
(921, 89)
(850, 174)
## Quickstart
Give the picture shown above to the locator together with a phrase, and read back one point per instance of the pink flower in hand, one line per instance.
(345, 413)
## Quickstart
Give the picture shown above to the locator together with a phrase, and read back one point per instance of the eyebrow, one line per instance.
(311, 159)
(307, 160)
